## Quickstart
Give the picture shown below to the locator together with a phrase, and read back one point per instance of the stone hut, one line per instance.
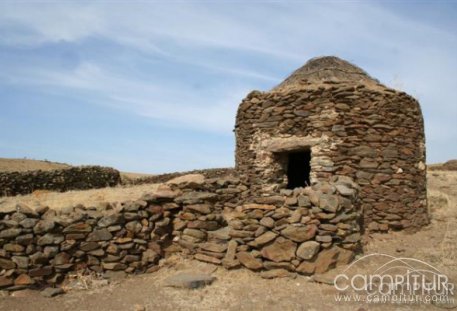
(328, 119)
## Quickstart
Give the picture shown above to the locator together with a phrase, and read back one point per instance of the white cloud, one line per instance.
(187, 108)
(418, 55)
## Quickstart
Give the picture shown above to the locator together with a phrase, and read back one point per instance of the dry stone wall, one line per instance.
(371, 134)
(74, 178)
(214, 220)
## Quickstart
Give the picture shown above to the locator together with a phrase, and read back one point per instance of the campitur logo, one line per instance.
(396, 280)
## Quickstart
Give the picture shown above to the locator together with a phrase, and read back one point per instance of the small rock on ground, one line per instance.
(189, 280)
(51, 292)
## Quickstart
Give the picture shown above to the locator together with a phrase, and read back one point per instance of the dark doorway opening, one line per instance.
(298, 169)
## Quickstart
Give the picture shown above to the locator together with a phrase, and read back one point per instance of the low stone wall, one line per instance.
(74, 178)
(450, 165)
(161, 178)
(306, 231)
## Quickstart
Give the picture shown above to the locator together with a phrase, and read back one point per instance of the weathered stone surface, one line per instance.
(208, 259)
(78, 228)
(277, 273)
(99, 235)
(26, 210)
(270, 265)
(249, 261)
(198, 234)
(240, 234)
(110, 220)
(38, 258)
(43, 271)
(344, 256)
(50, 238)
(324, 238)
(289, 143)
(23, 280)
(200, 208)
(51, 292)
(28, 223)
(150, 256)
(10, 233)
(5, 282)
(189, 180)
(194, 197)
(325, 260)
(230, 260)
(265, 238)
(6, 264)
(21, 262)
(113, 266)
(368, 163)
(13, 248)
(280, 250)
(364, 151)
(267, 222)
(135, 226)
(308, 249)
(304, 201)
(25, 239)
(352, 238)
(189, 280)
(270, 200)
(163, 193)
(299, 233)
(306, 268)
(214, 247)
(61, 259)
(345, 190)
(43, 226)
(257, 206)
(88, 246)
(329, 203)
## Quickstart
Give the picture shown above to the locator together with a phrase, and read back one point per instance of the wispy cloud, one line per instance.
(188, 64)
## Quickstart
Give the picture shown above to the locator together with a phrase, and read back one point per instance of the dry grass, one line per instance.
(57, 200)
(22, 165)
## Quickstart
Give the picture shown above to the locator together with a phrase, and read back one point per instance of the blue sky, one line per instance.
(153, 86)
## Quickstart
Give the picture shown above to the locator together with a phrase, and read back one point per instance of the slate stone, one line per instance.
(189, 280)
(51, 292)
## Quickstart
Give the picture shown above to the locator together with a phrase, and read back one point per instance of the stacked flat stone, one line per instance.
(306, 231)
(74, 178)
(353, 126)
(40, 246)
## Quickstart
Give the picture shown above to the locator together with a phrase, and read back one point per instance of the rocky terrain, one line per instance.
(242, 289)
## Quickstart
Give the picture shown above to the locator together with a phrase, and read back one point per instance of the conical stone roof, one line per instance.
(325, 69)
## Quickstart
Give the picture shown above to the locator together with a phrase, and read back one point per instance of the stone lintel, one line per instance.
(286, 144)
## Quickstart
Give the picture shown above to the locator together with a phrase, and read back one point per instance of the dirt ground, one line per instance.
(244, 290)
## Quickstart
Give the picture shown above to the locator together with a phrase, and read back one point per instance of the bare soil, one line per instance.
(244, 290)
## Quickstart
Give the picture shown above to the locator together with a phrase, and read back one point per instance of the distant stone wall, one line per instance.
(161, 178)
(450, 165)
(74, 178)
(372, 134)
(214, 220)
